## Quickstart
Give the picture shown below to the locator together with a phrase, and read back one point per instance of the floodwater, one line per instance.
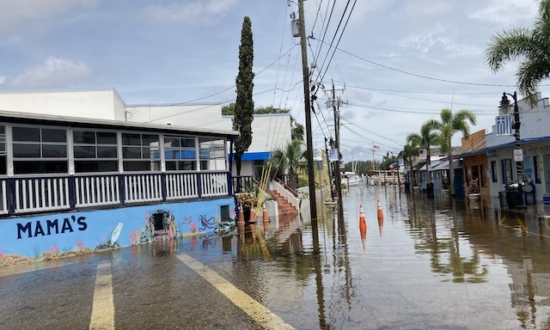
(429, 265)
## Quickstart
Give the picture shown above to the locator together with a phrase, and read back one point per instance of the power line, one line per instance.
(419, 75)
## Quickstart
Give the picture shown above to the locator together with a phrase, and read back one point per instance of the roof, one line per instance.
(18, 117)
(504, 141)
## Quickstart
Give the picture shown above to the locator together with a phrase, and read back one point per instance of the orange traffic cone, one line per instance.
(362, 223)
(380, 215)
(240, 220)
(252, 214)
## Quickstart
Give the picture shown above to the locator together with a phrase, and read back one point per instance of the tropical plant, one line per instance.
(291, 159)
(450, 124)
(409, 151)
(532, 45)
(244, 105)
(427, 137)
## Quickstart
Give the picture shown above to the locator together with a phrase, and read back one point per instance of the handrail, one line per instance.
(287, 187)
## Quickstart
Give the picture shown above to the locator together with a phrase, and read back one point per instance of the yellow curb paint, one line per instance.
(103, 309)
(254, 309)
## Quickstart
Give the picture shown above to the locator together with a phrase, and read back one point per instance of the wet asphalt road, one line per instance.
(431, 265)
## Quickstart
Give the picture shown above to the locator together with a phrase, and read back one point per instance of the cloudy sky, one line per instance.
(401, 61)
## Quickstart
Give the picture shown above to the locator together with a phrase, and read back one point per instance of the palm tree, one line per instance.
(409, 151)
(427, 137)
(292, 159)
(450, 124)
(532, 45)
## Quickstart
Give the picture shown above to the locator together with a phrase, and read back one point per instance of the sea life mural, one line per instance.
(44, 237)
(111, 242)
(160, 225)
(207, 223)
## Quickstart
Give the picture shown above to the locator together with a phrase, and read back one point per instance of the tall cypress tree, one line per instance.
(244, 105)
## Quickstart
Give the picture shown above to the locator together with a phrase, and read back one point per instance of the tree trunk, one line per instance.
(451, 174)
(411, 176)
(239, 179)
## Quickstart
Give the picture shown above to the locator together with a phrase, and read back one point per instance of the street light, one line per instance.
(518, 152)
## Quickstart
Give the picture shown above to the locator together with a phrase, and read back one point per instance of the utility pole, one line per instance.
(337, 174)
(330, 172)
(307, 110)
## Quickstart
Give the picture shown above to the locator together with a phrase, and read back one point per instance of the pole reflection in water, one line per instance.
(449, 249)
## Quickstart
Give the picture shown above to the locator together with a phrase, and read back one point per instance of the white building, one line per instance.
(269, 130)
(535, 143)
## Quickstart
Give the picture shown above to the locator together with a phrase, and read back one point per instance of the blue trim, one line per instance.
(504, 145)
(257, 155)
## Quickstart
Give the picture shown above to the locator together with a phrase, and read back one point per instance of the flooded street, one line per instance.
(431, 265)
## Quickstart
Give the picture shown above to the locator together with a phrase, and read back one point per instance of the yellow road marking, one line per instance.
(103, 309)
(521, 224)
(501, 222)
(523, 228)
(254, 309)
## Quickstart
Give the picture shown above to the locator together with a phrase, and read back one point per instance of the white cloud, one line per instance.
(507, 12)
(423, 9)
(439, 37)
(16, 12)
(55, 72)
(198, 12)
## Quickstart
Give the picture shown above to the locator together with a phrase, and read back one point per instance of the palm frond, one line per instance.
(510, 45)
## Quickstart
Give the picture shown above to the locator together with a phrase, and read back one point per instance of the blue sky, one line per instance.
(178, 51)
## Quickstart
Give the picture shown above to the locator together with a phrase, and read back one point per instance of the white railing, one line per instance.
(214, 184)
(41, 194)
(4, 199)
(142, 188)
(34, 194)
(96, 191)
(181, 185)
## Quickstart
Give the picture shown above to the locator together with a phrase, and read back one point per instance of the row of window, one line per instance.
(45, 150)
(532, 167)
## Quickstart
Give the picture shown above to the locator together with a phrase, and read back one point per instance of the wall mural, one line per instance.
(45, 237)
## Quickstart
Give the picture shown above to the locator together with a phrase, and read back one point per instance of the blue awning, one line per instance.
(258, 155)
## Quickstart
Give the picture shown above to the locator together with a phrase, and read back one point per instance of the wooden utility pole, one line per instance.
(337, 174)
(307, 110)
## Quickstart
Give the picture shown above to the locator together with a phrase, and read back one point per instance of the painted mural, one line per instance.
(46, 237)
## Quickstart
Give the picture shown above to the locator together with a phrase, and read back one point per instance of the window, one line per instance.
(506, 171)
(140, 152)
(538, 168)
(212, 154)
(494, 176)
(39, 150)
(180, 153)
(95, 151)
(3, 150)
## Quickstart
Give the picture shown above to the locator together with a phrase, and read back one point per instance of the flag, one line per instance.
(504, 125)
(375, 147)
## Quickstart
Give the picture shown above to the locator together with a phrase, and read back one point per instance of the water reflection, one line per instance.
(448, 247)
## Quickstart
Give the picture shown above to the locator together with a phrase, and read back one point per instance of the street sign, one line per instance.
(518, 155)
(333, 155)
